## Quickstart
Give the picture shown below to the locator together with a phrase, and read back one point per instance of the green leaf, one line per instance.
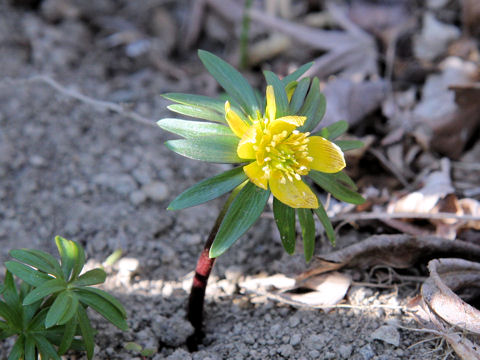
(10, 293)
(26, 273)
(281, 99)
(297, 73)
(86, 330)
(68, 335)
(38, 259)
(45, 348)
(328, 183)
(17, 351)
(9, 315)
(313, 107)
(73, 257)
(285, 218)
(327, 225)
(217, 149)
(346, 180)
(30, 348)
(209, 189)
(47, 288)
(298, 96)
(305, 217)
(331, 132)
(61, 310)
(37, 324)
(198, 100)
(193, 129)
(197, 112)
(347, 145)
(245, 209)
(108, 298)
(103, 307)
(231, 80)
(91, 277)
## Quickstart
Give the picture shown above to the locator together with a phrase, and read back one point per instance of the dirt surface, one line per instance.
(102, 179)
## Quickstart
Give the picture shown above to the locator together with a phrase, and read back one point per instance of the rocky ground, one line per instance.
(69, 168)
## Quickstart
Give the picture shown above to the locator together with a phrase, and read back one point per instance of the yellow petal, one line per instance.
(245, 146)
(256, 175)
(288, 123)
(295, 194)
(327, 156)
(271, 109)
(238, 126)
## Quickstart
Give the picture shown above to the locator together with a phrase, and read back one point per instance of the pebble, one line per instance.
(286, 350)
(388, 334)
(345, 351)
(315, 342)
(293, 321)
(172, 331)
(180, 354)
(366, 352)
(137, 197)
(295, 339)
(128, 265)
(122, 184)
(156, 191)
(37, 161)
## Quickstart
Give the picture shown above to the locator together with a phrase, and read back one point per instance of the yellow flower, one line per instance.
(280, 155)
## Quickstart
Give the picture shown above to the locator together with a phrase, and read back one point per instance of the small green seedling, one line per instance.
(47, 312)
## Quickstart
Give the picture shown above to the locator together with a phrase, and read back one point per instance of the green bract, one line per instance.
(48, 312)
(270, 137)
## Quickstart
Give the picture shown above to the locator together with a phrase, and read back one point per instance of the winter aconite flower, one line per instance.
(282, 155)
(277, 146)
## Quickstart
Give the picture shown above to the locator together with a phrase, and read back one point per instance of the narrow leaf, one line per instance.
(209, 189)
(341, 192)
(193, 129)
(108, 298)
(10, 294)
(285, 219)
(298, 96)
(245, 209)
(45, 348)
(346, 180)
(91, 277)
(38, 259)
(197, 100)
(27, 274)
(231, 80)
(197, 112)
(103, 307)
(7, 313)
(58, 309)
(30, 348)
(281, 99)
(68, 335)
(86, 330)
(297, 73)
(331, 132)
(305, 217)
(17, 351)
(327, 225)
(313, 107)
(217, 149)
(47, 288)
(347, 145)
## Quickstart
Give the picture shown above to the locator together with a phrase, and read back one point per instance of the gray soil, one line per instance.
(102, 179)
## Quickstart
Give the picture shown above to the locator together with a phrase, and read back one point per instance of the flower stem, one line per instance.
(200, 280)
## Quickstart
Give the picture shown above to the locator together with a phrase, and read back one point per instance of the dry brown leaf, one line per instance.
(398, 251)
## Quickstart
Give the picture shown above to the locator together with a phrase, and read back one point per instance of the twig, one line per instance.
(392, 168)
(99, 104)
(402, 215)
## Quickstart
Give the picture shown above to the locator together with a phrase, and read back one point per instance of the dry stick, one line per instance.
(99, 104)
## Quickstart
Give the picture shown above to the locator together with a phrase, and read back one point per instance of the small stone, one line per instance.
(388, 334)
(37, 161)
(137, 197)
(156, 191)
(120, 183)
(315, 341)
(345, 351)
(314, 354)
(286, 350)
(172, 331)
(293, 321)
(128, 265)
(180, 354)
(367, 352)
(295, 339)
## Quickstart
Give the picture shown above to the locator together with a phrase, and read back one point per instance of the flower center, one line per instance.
(285, 152)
